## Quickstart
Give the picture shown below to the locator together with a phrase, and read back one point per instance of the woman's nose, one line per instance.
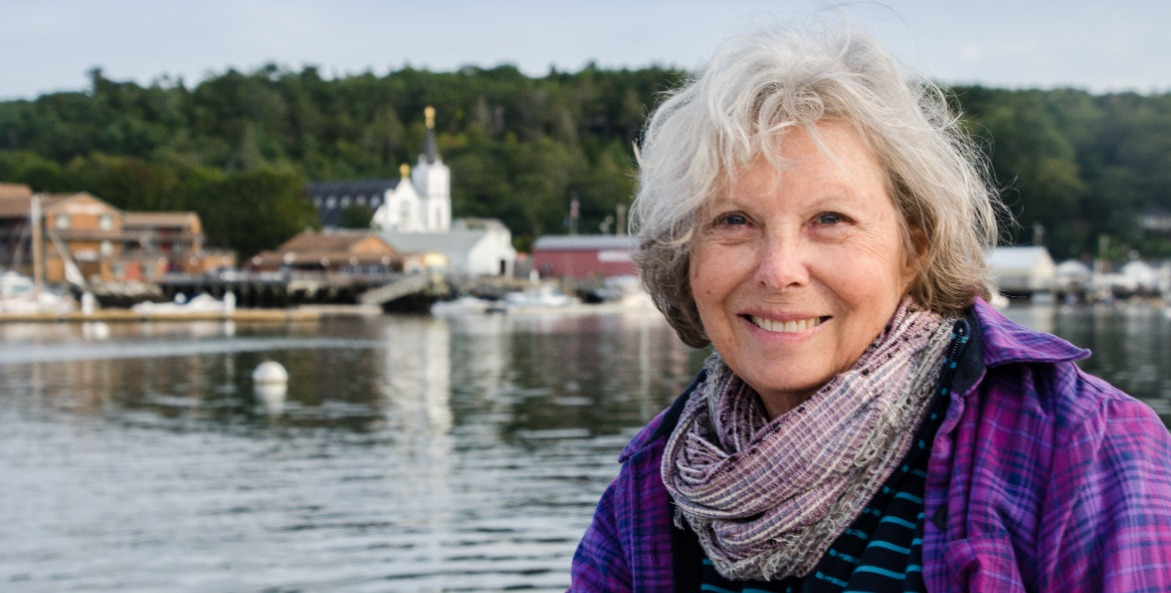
(782, 262)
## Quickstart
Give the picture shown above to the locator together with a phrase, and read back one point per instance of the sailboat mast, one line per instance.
(37, 243)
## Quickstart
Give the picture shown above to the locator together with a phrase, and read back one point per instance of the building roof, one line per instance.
(338, 248)
(74, 201)
(15, 190)
(329, 242)
(20, 206)
(583, 242)
(1017, 257)
(1073, 267)
(341, 188)
(453, 241)
(323, 190)
(157, 219)
(14, 207)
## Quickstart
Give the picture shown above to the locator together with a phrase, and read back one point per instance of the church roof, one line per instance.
(430, 149)
(339, 188)
(322, 190)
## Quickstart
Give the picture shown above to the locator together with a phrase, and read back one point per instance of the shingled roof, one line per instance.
(15, 190)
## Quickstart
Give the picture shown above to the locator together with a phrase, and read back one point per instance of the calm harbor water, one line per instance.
(408, 453)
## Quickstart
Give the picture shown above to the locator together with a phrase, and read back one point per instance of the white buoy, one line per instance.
(269, 373)
(271, 396)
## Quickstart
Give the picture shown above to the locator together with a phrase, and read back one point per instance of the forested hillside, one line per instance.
(238, 147)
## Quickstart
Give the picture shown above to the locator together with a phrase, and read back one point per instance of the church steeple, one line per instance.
(430, 148)
(432, 180)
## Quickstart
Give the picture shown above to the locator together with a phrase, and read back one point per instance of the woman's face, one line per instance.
(796, 272)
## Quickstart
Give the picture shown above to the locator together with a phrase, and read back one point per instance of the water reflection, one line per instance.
(1129, 343)
(405, 453)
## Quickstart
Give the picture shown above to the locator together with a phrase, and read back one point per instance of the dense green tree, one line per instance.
(251, 211)
(356, 216)
(235, 147)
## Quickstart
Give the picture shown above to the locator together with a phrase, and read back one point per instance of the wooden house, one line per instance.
(584, 256)
(349, 252)
(103, 243)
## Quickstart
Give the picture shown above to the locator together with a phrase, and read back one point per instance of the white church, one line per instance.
(413, 214)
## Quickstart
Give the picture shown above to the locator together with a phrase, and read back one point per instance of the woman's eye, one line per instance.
(732, 219)
(829, 218)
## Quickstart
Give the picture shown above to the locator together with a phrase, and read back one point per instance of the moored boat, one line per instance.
(19, 294)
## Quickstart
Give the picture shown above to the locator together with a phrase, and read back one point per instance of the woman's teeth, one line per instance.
(785, 327)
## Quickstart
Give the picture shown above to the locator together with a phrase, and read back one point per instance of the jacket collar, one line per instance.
(1005, 341)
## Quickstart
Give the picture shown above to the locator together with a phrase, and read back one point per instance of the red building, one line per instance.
(583, 256)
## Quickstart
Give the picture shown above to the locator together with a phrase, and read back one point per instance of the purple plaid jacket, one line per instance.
(1041, 478)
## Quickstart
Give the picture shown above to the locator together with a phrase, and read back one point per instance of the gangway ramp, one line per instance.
(395, 290)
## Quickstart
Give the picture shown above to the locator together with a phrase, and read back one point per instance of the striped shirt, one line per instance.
(1040, 478)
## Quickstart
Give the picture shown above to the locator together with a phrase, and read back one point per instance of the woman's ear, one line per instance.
(918, 244)
(917, 248)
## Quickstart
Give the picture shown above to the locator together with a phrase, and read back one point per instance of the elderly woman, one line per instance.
(865, 422)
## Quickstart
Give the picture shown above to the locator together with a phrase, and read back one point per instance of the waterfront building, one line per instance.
(1073, 280)
(349, 252)
(583, 256)
(471, 247)
(1021, 271)
(84, 239)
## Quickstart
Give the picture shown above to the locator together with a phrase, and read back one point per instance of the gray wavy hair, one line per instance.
(758, 86)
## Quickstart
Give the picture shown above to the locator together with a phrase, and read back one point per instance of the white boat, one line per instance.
(625, 292)
(203, 303)
(19, 294)
(544, 296)
(465, 305)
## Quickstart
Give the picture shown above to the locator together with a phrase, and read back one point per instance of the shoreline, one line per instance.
(127, 315)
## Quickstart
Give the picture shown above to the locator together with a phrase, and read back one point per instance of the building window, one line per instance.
(106, 222)
(107, 248)
(330, 203)
(375, 202)
(404, 213)
(62, 221)
(345, 201)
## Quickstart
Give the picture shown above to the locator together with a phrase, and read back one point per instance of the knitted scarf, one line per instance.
(767, 498)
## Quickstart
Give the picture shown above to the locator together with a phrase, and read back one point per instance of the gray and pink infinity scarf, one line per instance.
(767, 498)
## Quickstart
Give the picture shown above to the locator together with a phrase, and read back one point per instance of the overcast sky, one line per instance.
(49, 45)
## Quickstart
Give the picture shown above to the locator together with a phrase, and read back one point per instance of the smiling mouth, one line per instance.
(786, 327)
